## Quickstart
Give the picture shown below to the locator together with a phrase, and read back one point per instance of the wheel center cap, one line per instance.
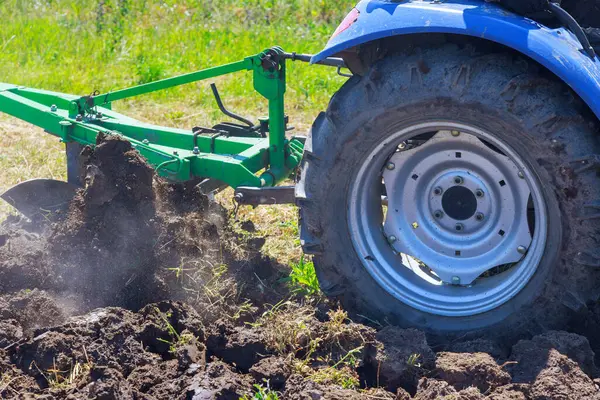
(459, 203)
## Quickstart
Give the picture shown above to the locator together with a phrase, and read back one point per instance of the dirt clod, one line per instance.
(531, 356)
(463, 370)
(403, 358)
(562, 379)
(140, 291)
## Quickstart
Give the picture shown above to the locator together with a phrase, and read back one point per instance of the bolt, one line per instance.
(415, 225)
(479, 193)
(390, 166)
(438, 191)
(196, 150)
(459, 227)
(456, 280)
(391, 239)
(455, 133)
(479, 217)
(521, 175)
(145, 141)
(99, 114)
(438, 214)
(458, 180)
(53, 108)
(175, 153)
(79, 118)
(522, 249)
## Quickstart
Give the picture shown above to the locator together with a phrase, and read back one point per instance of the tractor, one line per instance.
(451, 184)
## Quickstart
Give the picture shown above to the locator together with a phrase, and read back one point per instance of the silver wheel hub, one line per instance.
(447, 218)
(458, 206)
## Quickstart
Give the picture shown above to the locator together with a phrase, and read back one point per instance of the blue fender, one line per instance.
(556, 49)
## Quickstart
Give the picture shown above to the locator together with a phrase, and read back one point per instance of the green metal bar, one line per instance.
(234, 160)
(168, 83)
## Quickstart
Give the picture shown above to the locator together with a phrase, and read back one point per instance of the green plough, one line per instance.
(241, 155)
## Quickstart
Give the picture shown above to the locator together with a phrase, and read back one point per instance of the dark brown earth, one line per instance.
(140, 291)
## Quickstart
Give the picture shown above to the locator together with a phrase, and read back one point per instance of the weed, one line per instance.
(177, 340)
(262, 393)
(288, 329)
(303, 277)
(413, 360)
(59, 379)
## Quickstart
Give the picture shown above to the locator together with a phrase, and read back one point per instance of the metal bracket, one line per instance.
(245, 195)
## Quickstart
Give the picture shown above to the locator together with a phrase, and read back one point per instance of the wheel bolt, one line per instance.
(438, 191)
(438, 214)
(390, 166)
(458, 180)
(459, 227)
(479, 193)
(479, 217)
(522, 249)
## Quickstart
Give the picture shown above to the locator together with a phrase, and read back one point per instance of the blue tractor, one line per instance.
(452, 183)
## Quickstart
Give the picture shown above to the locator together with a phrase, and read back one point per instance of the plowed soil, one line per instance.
(140, 291)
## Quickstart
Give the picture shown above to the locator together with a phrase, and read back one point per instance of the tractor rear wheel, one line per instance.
(452, 193)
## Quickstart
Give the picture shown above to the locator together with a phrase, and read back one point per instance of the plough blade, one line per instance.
(39, 198)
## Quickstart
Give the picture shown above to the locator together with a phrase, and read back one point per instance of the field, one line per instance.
(159, 293)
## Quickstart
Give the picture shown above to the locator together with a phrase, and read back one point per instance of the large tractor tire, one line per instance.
(454, 193)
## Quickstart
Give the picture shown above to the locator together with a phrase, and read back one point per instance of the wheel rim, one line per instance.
(465, 224)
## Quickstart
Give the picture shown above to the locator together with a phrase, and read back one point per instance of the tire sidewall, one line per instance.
(367, 133)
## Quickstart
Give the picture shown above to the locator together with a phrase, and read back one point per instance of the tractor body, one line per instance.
(557, 49)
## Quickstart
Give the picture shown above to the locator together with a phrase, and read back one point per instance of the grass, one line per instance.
(262, 393)
(79, 47)
(303, 277)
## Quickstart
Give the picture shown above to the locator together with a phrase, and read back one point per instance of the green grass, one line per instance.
(303, 278)
(79, 47)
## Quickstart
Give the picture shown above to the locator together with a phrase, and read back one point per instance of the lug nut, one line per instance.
(459, 227)
(438, 191)
(390, 166)
(438, 214)
(458, 180)
(479, 217)
(479, 193)
(522, 249)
